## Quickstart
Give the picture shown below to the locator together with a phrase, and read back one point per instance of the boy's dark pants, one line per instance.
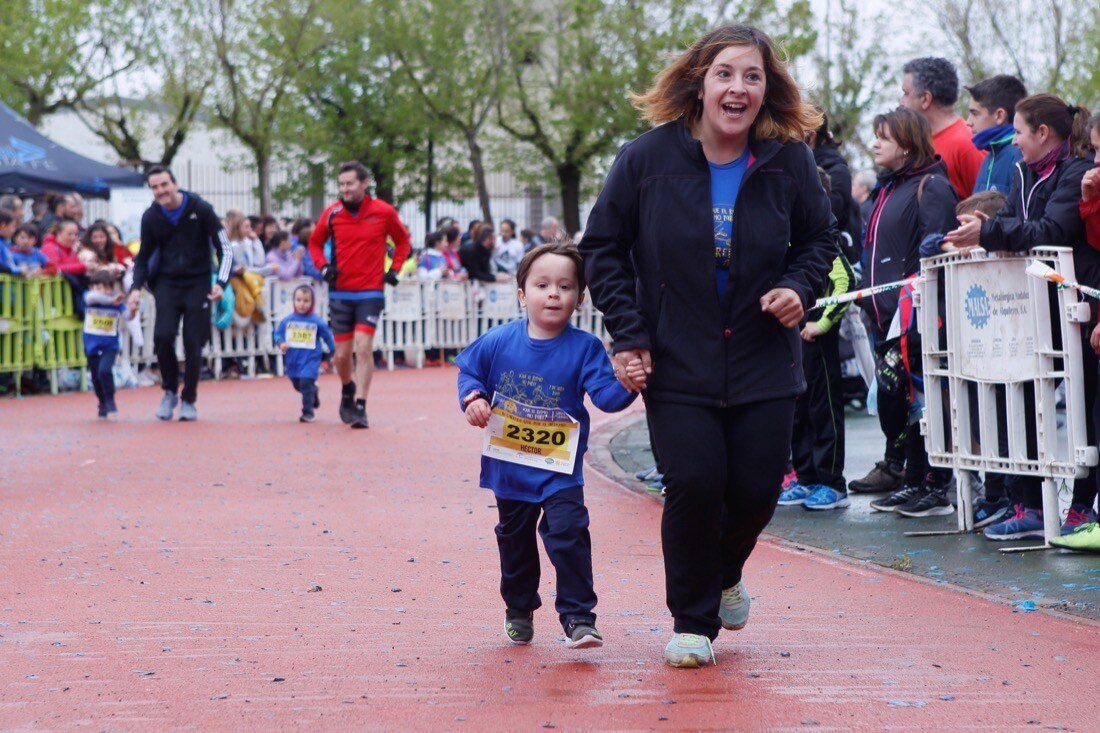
(564, 530)
(308, 388)
(818, 441)
(101, 363)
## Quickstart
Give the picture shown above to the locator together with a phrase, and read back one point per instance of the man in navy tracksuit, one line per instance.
(175, 260)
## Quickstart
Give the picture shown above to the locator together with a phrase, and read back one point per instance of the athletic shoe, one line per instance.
(988, 511)
(316, 399)
(689, 650)
(929, 501)
(789, 480)
(883, 477)
(1083, 538)
(657, 487)
(896, 499)
(734, 607)
(111, 409)
(167, 406)
(307, 416)
(646, 474)
(583, 636)
(188, 413)
(360, 418)
(102, 414)
(1024, 524)
(826, 497)
(519, 626)
(347, 403)
(795, 495)
(1077, 515)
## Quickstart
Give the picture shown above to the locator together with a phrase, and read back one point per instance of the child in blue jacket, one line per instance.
(525, 382)
(300, 336)
(103, 309)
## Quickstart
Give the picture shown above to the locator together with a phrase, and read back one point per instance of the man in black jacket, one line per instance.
(176, 262)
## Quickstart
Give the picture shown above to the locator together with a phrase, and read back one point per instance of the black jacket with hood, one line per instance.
(910, 203)
(184, 250)
(649, 260)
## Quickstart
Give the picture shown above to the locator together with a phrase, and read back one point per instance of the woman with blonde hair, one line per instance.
(710, 239)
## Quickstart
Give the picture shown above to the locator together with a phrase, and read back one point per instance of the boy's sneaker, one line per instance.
(988, 511)
(582, 636)
(930, 501)
(307, 416)
(826, 497)
(1083, 538)
(360, 418)
(188, 413)
(795, 495)
(883, 477)
(1077, 515)
(519, 626)
(1024, 524)
(689, 650)
(167, 406)
(347, 403)
(789, 480)
(646, 474)
(733, 610)
(896, 499)
(316, 399)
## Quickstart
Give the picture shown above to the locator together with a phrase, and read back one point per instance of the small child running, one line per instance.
(525, 381)
(102, 310)
(299, 336)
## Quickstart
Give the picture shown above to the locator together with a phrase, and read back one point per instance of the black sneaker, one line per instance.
(883, 477)
(930, 501)
(519, 626)
(360, 415)
(307, 416)
(347, 403)
(990, 511)
(896, 499)
(582, 635)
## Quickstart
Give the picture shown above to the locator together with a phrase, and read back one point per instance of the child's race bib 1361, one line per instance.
(301, 335)
(101, 322)
(541, 437)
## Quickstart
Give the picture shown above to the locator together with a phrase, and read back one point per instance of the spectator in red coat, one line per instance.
(59, 246)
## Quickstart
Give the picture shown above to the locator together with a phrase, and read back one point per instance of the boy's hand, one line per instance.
(284, 347)
(118, 299)
(631, 368)
(134, 300)
(478, 412)
(811, 331)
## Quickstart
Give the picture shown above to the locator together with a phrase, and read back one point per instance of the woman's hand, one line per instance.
(1090, 184)
(631, 368)
(969, 234)
(1094, 339)
(784, 304)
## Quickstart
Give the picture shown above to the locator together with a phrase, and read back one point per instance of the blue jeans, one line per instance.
(101, 363)
(308, 388)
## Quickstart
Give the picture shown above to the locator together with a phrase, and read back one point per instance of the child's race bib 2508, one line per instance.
(101, 322)
(541, 437)
(301, 335)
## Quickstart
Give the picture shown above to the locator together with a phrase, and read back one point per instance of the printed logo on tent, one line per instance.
(20, 152)
(977, 306)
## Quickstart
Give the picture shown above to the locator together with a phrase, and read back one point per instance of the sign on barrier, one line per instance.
(1007, 341)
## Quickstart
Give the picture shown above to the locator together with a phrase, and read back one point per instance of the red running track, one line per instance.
(162, 576)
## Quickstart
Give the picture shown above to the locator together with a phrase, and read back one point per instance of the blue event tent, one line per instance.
(31, 163)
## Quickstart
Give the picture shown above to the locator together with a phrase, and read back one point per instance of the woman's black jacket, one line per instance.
(649, 260)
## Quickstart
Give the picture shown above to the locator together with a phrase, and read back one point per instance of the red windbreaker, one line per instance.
(359, 243)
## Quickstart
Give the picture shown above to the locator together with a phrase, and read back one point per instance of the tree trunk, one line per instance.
(569, 178)
(479, 176)
(263, 170)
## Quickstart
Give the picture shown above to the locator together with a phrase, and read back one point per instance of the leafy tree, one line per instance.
(56, 52)
(566, 69)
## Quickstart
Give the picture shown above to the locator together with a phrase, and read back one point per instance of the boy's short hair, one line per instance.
(987, 202)
(29, 229)
(308, 289)
(101, 277)
(564, 247)
(1002, 91)
(5, 218)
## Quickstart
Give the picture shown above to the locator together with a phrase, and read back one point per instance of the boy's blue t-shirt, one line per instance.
(725, 182)
(35, 259)
(101, 324)
(305, 333)
(7, 261)
(554, 372)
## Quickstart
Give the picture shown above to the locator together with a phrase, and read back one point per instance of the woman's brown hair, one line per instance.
(1066, 121)
(108, 253)
(784, 116)
(911, 131)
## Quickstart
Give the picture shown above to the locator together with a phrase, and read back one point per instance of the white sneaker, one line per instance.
(689, 650)
(734, 609)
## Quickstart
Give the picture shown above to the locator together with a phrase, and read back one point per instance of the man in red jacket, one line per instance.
(356, 275)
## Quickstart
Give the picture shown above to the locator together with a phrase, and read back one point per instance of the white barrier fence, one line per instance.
(1004, 335)
(418, 318)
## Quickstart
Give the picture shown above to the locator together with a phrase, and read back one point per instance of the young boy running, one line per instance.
(525, 383)
(102, 310)
(299, 336)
